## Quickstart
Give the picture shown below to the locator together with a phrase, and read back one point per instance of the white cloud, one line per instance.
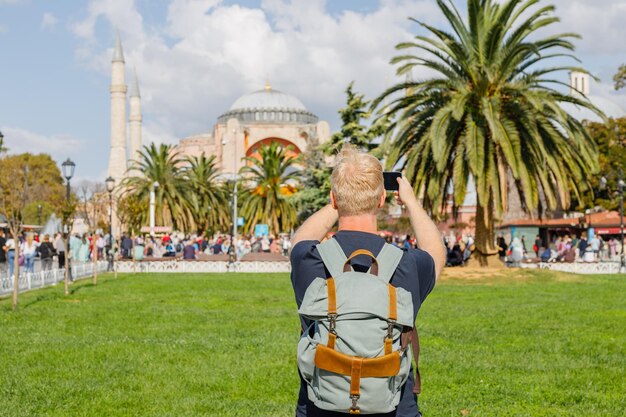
(49, 21)
(3, 29)
(208, 54)
(60, 146)
(600, 22)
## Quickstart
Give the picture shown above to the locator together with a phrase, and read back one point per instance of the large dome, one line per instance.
(268, 99)
(269, 106)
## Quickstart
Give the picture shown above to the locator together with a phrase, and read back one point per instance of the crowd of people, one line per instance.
(83, 248)
(566, 248)
(32, 246)
(190, 247)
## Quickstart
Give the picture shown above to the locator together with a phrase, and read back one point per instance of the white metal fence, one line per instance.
(181, 266)
(577, 267)
(45, 278)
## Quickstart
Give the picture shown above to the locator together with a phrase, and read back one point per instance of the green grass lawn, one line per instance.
(514, 344)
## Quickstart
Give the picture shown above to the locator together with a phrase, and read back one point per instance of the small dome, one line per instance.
(608, 107)
(269, 106)
(266, 99)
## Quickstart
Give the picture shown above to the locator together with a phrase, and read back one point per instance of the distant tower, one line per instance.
(579, 83)
(117, 158)
(135, 120)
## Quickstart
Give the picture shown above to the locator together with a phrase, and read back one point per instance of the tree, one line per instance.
(620, 77)
(45, 186)
(208, 199)
(353, 130)
(93, 202)
(315, 184)
(161, 164)
(131, 211)
(27, 181)
(14, 196)
(490, 111)
(610, 138)
(269, 180)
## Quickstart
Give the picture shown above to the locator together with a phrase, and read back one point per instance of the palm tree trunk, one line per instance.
(486, 253)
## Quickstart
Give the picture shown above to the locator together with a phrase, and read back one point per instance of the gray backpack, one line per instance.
(355, 356)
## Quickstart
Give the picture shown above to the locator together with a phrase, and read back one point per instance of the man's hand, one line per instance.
(405, 194)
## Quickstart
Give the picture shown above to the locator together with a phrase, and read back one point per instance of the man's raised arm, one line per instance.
(426, 233)
(317, 226)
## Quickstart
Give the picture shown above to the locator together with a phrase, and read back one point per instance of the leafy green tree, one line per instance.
(45, 185)
(269, 185)
(131, 211)
(490, 111)
(161, 164)
(354, 129)
(208, 199)
(610, 138)
(620, 77)
(315, 184)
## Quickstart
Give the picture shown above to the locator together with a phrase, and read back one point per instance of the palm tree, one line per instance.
(208, 197)
(162, 165)
(266, 200)
(490, 111)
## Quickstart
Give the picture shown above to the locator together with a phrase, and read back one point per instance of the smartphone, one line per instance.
(391, 180)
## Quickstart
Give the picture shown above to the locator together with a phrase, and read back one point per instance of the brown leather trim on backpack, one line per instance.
(374, 267)
(393, 303)
(332, 296)
(339, 363)
(355, 376)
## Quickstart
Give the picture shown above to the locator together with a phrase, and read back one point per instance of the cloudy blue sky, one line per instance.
(195, 57)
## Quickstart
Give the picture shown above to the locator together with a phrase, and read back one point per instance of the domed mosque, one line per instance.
(256, 119)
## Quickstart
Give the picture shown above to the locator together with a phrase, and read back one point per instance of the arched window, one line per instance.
(257, 116)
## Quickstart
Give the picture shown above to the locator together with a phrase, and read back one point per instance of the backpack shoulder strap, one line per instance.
(333, 256)
(388, 259)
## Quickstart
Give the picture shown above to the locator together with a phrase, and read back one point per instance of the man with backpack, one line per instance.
(344, 380)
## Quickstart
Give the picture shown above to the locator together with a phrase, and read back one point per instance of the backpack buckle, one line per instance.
(355, 408)
(390, 324)
(332, 319)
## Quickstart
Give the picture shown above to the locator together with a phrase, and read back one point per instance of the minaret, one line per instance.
(117, 158)
(135, 121)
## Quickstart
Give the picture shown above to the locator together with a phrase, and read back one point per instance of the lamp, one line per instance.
(110, 184)
(68, 172)
(68, 169)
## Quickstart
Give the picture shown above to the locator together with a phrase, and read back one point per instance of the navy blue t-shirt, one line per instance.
(415, 273)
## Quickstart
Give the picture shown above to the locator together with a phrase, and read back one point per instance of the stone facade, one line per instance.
(256, 119)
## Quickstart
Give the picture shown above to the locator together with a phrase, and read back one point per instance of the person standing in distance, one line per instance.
(357, 193)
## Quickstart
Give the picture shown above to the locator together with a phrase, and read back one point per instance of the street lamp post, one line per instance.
(152, 207)
(68, 172)
(39, 207)
(233, 234)
(110, 184)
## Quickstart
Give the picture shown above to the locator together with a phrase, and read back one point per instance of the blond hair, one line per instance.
(356, 182)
